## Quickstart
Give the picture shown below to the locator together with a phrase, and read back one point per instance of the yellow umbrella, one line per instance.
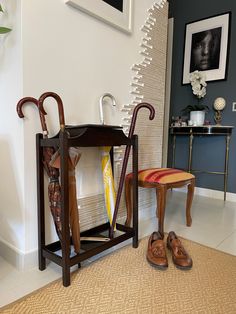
(108, 181)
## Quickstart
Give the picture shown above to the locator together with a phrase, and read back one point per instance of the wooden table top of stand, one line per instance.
(88, 135)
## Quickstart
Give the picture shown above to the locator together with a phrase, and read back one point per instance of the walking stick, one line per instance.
(52, 172)
(126, 158)
(59, 104)
(41, 115)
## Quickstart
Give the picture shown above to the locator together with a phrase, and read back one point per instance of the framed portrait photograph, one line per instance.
(117, 13)
(206, 47)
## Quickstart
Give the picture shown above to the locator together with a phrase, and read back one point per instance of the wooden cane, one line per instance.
(126, 158)
(41, 115)
(59, 104)
(47, 153)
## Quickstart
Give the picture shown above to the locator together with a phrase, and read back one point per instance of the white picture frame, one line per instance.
(106, 12)
(217, 69)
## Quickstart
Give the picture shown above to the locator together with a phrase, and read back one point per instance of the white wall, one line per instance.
(12, 230)
(75, 55)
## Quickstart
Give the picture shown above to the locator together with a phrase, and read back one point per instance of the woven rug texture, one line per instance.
(124, 282)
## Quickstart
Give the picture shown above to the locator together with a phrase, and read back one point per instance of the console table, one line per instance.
(81, 136)
(206, 130)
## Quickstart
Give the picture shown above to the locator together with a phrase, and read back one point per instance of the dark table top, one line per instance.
(201, 130)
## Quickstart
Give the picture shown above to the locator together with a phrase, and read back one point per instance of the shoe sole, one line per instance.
(160, 267)
(182, 267)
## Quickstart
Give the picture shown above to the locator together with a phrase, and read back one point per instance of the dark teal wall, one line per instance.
(208, 152)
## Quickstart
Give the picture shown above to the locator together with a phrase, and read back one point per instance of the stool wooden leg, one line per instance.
(161, 205)
(189, 202)
(128, 200)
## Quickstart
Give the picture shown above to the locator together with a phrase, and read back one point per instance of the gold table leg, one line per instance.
(190, 152)
(173, 151)
(226, 165)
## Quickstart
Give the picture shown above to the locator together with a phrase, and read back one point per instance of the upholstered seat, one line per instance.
(161, 179)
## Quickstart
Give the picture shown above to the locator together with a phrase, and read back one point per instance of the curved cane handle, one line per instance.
(126, 157)
(41, 115)
(134, 117)
(59, 104)
(101, 104)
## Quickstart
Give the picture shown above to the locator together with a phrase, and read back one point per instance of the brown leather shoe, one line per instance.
(180, 257)
(156, 253)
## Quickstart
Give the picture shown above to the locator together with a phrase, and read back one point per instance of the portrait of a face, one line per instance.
(206, 47)
(205, 50)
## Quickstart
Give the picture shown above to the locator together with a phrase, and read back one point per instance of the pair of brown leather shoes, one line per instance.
(156, 253)
(180, 257)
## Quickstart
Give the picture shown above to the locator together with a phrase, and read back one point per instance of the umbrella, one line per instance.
(54, 189)
(108, 182)
(74, 156)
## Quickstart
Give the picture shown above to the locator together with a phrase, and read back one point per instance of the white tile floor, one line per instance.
(214, 225)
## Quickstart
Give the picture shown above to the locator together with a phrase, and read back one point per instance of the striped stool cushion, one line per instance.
(162, 175)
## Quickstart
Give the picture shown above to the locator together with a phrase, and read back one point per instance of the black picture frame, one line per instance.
(207, 47)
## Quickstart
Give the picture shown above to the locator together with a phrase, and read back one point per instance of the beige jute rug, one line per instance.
(123, 282)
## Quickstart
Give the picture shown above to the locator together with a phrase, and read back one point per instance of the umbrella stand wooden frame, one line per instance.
(81, 136)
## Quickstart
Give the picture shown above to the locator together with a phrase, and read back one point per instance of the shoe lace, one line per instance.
(181, 251)
(158, 252)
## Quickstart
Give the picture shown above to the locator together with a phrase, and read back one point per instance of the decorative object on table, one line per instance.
(197, 112)
(190, 108)
(179, 121)
(102, 102)
(198, 83)
(197, 117)
(3, 30)
(206, 47)
(219, 105)
(116, 13)
(207, 122)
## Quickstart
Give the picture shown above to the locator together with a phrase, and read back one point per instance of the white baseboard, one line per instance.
(20, 261)
(211, 193)
(25, 261)
(147, 222)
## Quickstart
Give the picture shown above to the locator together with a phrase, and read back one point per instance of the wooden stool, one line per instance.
(162, 179)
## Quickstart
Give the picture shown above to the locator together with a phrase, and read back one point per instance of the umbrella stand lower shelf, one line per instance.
(89, 248)
(61, 252)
